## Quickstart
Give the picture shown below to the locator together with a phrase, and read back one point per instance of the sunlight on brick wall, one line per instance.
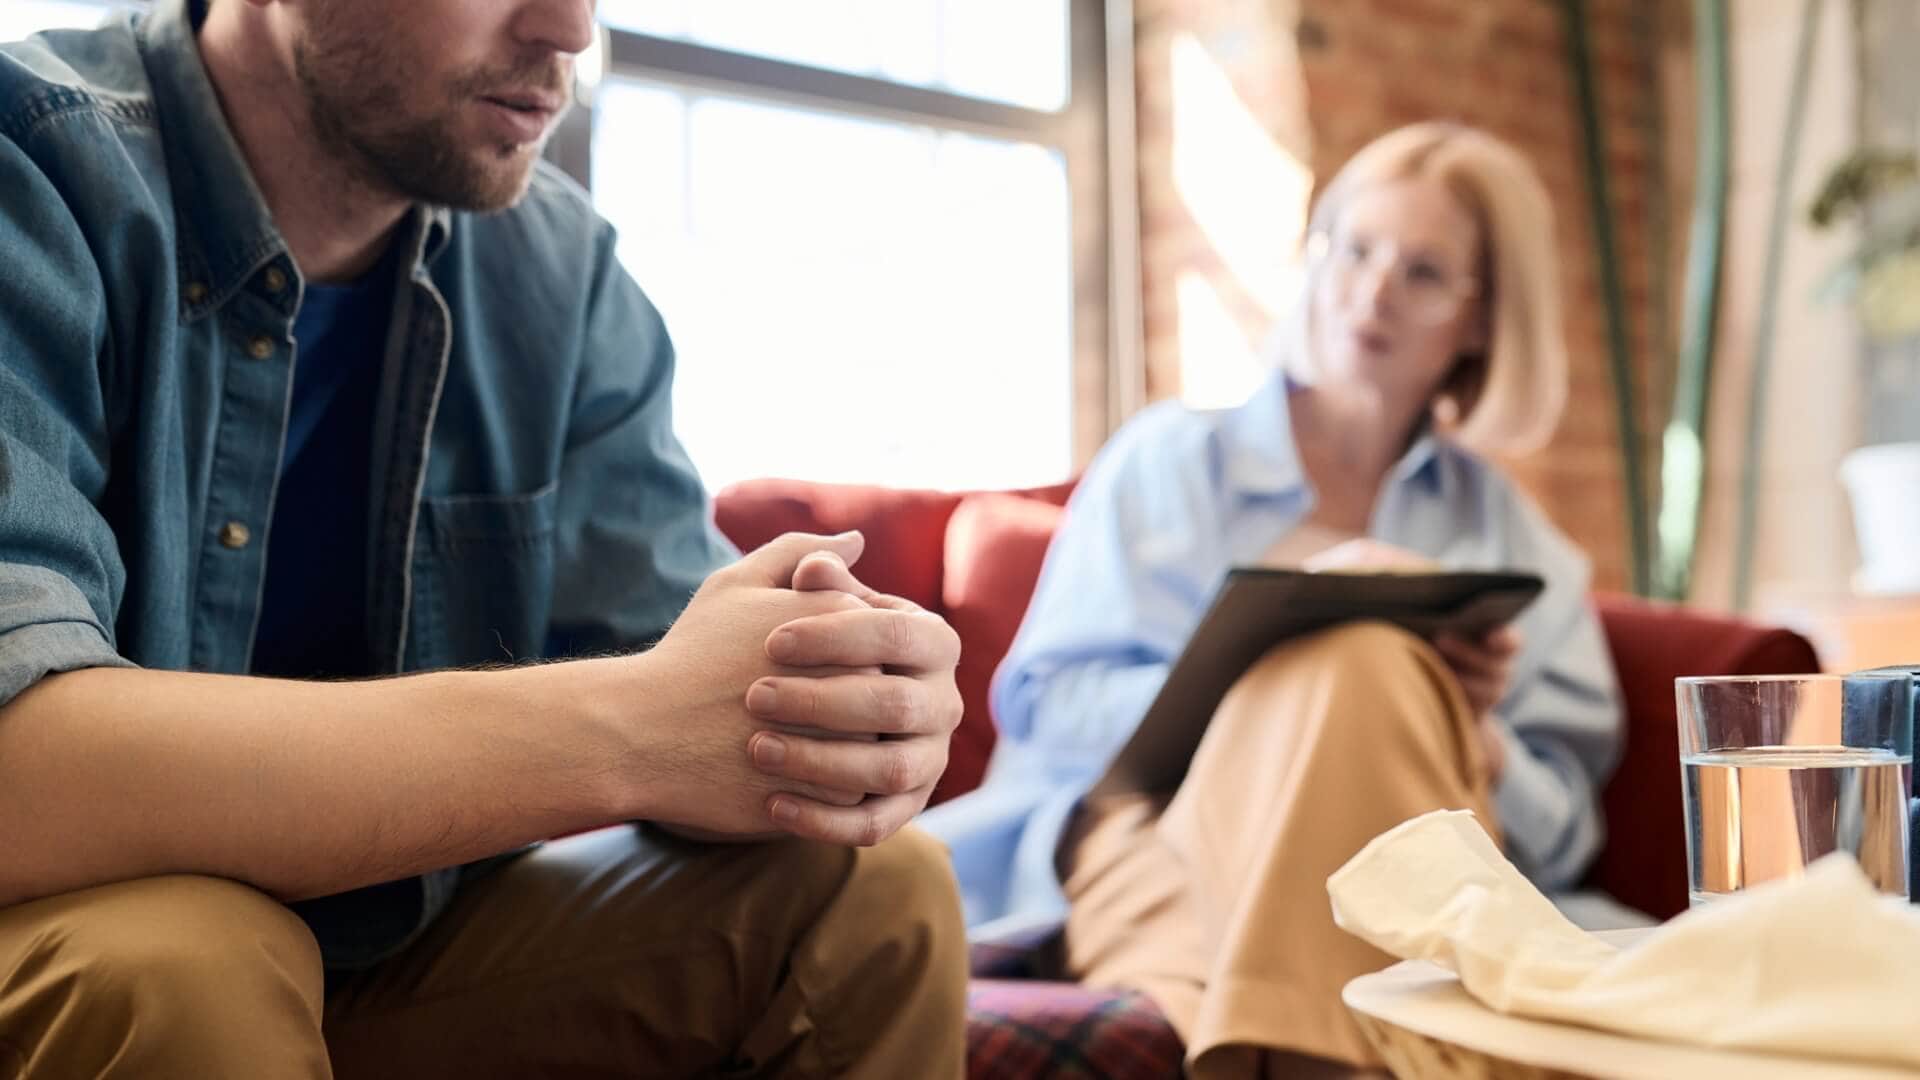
(1245, 105)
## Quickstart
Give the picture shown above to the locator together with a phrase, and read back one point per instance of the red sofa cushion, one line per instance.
(1644, 863)
(995, 544)
(906, 530)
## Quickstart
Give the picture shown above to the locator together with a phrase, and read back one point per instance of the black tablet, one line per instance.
(1258, 608)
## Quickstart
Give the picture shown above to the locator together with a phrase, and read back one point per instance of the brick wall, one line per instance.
(1323, 77)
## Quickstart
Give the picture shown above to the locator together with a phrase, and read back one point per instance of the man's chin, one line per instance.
(483, 181)
(503, 189)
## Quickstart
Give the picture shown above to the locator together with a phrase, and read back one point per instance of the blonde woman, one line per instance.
(1428, 334)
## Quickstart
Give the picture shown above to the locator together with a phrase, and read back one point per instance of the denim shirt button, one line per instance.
(275, 279)
(195, 292)
(235, 535)
(260, 347)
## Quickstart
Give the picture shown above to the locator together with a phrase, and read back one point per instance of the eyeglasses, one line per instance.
(1428, 291)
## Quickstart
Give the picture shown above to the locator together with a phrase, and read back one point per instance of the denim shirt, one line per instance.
(528, 497)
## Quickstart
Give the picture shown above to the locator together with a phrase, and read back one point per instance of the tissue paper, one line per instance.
(1821, 966)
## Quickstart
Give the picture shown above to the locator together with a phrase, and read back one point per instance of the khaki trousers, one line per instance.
(1213, 901)
(618, 953)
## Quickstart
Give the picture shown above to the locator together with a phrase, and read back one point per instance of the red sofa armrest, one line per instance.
(1644, 862)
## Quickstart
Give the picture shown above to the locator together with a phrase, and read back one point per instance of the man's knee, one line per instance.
(902, 892)
(903, 940)
(905, 880)
(915, 869)
(191, 935)
(160, 963)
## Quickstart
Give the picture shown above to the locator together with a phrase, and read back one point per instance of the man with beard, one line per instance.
(311, 372)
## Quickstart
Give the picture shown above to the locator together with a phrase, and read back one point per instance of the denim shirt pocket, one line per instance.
(482, 578)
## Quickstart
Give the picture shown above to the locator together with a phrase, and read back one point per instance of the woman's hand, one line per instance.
(1484, 666)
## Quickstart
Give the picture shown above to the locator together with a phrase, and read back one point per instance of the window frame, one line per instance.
(1093, 132)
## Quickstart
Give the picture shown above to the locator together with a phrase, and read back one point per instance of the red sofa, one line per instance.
(973, 557)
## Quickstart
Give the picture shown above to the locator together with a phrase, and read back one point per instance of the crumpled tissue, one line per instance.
(1822, 965)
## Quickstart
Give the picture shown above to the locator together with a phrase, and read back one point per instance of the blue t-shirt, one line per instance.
(313, 613)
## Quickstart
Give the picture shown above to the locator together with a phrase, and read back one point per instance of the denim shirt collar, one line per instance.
(227, 232)
(1262, 461)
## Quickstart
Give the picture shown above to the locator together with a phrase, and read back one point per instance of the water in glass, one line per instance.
(1764, 812)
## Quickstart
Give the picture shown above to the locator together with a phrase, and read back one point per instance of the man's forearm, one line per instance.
(301, 789)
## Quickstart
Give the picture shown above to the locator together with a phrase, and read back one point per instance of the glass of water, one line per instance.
(1777, 771)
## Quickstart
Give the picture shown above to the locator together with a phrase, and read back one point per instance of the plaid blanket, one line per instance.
(1019, 1028)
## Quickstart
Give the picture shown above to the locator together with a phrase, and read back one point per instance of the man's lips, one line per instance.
(522, 116)
(530, 101)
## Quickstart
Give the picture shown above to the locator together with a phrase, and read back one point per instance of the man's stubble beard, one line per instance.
(362, 113)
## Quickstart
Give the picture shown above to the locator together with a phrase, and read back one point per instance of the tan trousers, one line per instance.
(619, 953)
(1213, 901)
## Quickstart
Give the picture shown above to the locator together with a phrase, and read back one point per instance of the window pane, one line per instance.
(1007, 50)
(19, 18)
(1013, 51)
(852, 300)
(662, 18)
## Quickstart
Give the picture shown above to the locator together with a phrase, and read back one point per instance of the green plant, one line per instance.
(1879, 188)
(1663, 526)
(1587, 111)
(1772, 268)
(1683, 446)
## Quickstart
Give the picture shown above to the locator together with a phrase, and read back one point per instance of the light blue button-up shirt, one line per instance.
(1176, 499)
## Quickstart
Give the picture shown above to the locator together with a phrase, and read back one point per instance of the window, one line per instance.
(877, 229)
(866, 223)
(852, 299)
(1011, 51)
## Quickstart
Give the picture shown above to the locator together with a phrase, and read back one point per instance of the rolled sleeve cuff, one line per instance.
(1550, 831)
(46, 627)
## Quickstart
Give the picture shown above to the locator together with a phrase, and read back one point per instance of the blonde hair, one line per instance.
(1509, 399)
